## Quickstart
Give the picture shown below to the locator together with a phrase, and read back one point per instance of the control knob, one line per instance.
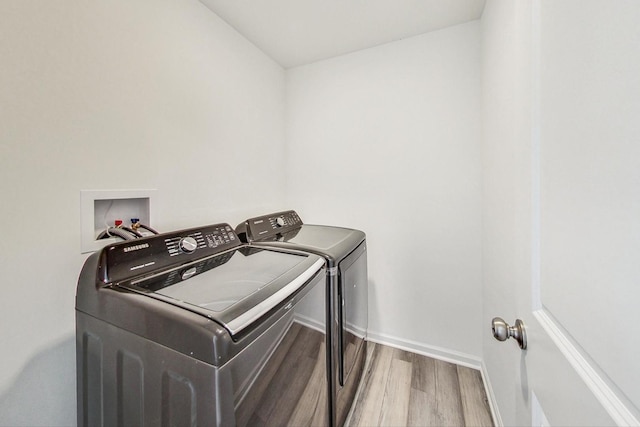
(280, 221)
(188, 245)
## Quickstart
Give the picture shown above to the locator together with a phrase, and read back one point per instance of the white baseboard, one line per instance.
(452, 356)
(493, 403)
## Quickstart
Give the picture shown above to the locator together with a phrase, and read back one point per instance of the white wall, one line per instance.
(84, 85)
(387, 140)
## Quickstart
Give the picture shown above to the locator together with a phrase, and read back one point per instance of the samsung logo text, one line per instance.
(136, 247)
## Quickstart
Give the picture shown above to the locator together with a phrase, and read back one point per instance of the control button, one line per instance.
(188, 245)
(280, 221)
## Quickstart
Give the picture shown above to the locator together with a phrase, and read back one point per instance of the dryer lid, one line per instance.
(332, 243)
(319, 236)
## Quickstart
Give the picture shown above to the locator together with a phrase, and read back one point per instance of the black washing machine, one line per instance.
(344, 251)
(195, 328)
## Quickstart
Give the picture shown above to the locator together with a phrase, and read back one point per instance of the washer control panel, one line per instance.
(269, 225)
(132, 258)
(213, 237)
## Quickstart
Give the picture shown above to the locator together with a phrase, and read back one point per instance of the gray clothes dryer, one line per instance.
(344, 251)
(194, 328)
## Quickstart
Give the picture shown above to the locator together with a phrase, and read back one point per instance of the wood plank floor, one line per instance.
(407, 389)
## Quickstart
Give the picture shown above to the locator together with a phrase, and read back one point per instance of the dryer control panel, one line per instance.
(148, 255)
(265, 226)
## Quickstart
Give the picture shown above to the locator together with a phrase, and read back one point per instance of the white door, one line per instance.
(562, 209)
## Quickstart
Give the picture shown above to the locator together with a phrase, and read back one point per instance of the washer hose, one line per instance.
(124, 233)
(132, 231)
(137, 225)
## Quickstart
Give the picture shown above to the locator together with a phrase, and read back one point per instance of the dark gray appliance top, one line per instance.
(234, 288)
(286, 230)
(194, 288)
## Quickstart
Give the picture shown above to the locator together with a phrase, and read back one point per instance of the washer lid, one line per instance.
(234, 288)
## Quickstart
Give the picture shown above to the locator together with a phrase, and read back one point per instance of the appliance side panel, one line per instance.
(130, 384)
(355, 308)
(178, 400)
(124, 379)
(353, 323)
(90, 367)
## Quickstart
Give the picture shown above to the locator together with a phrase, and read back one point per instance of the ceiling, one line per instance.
(298, 32)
